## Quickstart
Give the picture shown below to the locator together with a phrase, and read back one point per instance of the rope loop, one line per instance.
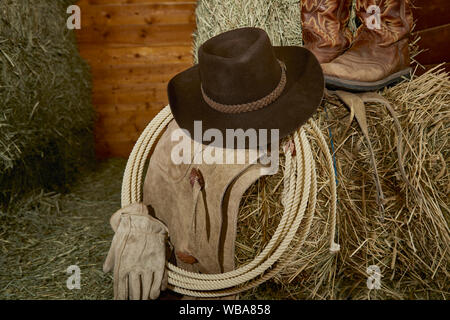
(299, 201)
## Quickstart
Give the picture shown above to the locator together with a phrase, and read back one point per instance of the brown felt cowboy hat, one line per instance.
(243, 82)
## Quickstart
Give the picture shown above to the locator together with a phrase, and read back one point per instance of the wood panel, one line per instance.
(133, 76)
(431, 13)
(113, 147)
(138, 14)
(134, 47)
(123, 2)
(436, 45)
(131, 94)
(445, 66)
(432, 18)
(137, 35)
(116, 56)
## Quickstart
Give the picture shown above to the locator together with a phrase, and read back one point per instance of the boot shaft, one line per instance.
(324, 21)
(324, 26)
(379, 54)
(387, 21)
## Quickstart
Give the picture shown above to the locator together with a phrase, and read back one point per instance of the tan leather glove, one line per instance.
(137, 254)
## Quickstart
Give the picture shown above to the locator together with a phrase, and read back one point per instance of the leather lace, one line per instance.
(250, 106)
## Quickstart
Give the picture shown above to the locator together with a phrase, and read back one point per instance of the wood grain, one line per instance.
(429, 14)
(137, 35)
(111, 56)
(128, 122)
(140, 74)
(137, 14)
(134, 47)
(131, 94)
(127, 2)
(436, 43)
(110, 109)
(445, 66)
(114, 147)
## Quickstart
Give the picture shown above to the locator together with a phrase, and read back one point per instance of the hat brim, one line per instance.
(299, 100)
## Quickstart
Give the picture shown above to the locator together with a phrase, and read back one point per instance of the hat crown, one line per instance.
(238, 66)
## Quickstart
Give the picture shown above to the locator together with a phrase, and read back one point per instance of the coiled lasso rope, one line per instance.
(299, 200)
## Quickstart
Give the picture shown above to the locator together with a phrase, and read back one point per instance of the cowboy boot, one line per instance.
(379, 55)
(324, 27)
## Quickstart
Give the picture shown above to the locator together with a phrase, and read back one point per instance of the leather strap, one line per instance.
(250, 106)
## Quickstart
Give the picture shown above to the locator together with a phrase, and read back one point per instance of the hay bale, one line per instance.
(279, 18)
(412, 246)
(46, 114)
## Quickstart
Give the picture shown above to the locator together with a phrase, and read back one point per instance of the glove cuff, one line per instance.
(138, 224)
(138, 210)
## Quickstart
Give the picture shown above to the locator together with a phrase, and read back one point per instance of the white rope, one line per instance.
(299, 200)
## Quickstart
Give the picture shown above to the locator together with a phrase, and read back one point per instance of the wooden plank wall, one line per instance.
(133, 47)
(433, 27)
